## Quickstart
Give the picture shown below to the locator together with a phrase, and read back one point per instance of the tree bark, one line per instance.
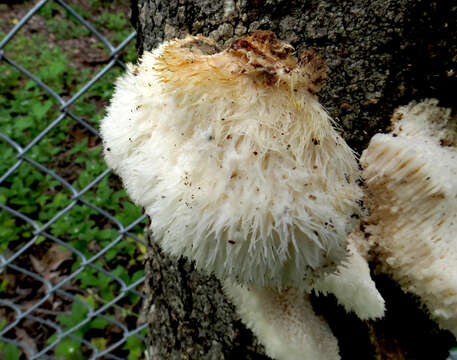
(381, 54)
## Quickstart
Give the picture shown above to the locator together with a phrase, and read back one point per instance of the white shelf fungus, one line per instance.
(352, 284)
(412, 176)
(284, 321)
(234, 160)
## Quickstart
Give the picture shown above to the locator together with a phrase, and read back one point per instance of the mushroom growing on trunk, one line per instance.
(234, 160)
(411, 174)
(236, 163)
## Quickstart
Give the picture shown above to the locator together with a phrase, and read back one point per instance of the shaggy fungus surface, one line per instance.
(234, 160)
(284, 321)
(411, 174)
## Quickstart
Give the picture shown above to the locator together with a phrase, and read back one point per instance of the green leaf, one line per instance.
(3, 285)
(40, 109)
(30, 84)
(78, 314)
(99, 323)
(60, 200)
(99, 343)
(23, 123)
(84, 179)
(11, 352)
(137, 275)
(135, 347)
(107, 234)
(52, 339)
(69, 349)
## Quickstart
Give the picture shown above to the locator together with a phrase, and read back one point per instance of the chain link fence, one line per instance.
(64, 291)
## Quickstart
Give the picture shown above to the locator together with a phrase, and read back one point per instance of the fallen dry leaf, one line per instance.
(27, 341)
(48, 265)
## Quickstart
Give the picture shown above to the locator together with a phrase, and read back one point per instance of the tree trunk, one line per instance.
(381, 54)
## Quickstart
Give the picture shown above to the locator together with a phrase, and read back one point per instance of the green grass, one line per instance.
(73, 153)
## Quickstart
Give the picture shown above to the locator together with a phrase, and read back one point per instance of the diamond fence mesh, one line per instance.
(71, 243)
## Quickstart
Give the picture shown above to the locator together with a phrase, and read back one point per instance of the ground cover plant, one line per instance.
(65, 55)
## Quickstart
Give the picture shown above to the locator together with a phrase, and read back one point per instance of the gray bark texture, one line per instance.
(381, 54)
